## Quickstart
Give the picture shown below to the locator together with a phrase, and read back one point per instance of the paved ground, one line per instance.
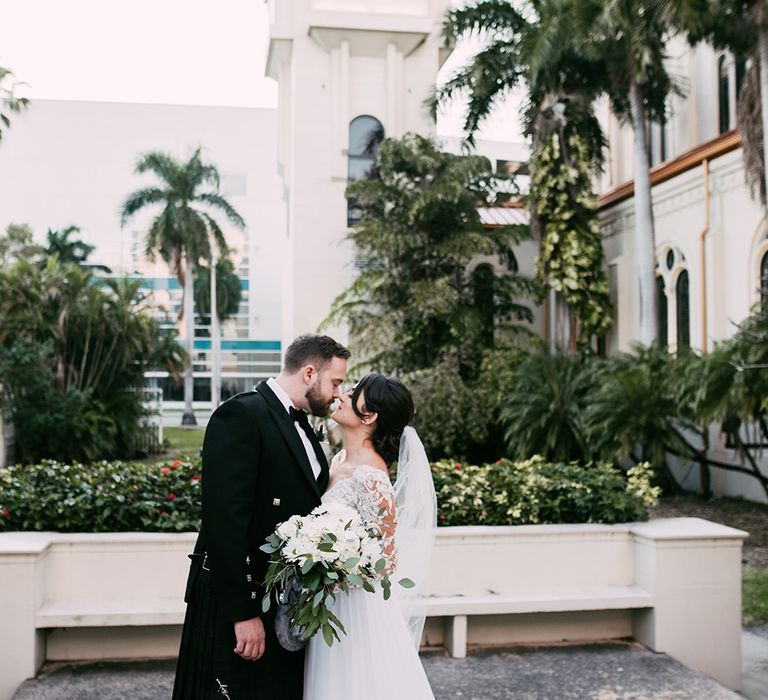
(754, 651)
(615, 671)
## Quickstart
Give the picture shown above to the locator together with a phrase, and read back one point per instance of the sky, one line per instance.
(159, 51)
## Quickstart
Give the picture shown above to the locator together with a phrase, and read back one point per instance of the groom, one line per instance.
(262, 463)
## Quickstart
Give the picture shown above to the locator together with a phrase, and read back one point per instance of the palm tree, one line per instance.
(71, 250)
(628, 37)
(8, 101)
(538, 51)
(183, 231)
(229, 290)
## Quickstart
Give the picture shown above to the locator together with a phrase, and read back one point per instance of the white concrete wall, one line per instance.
(72, 597)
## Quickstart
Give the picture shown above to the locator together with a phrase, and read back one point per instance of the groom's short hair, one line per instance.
(313, 349)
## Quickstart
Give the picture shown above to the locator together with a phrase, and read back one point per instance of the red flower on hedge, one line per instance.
(442, 516)
(194, 478)
(171, 496)
(163, 514)
(457, 466)
(176, 463)
(5, 512)
(165, 470)
(498, 461)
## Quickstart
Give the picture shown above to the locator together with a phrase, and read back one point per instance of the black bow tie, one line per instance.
(300, 417)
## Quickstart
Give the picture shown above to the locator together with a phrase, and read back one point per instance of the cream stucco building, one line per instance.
(711, 235)
(348, 71)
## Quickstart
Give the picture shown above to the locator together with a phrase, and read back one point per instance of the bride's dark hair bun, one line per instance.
(390, 399)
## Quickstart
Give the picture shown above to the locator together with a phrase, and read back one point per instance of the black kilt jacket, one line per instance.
(255, 475)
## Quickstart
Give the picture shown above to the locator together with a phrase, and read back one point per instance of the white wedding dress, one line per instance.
(377, 658)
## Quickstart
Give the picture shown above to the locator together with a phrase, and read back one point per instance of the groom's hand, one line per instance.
(250, 638)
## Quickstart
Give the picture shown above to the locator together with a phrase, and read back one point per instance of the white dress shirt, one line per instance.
(286, 401)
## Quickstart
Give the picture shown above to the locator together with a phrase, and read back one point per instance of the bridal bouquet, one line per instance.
(315, 557)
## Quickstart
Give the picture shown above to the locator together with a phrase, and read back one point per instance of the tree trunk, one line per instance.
(189, 334)
(573, 332)
(645, 244)
(215, 339)
(705, 474)
(762, 53)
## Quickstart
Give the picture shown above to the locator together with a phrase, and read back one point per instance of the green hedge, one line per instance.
(536, 492)
(101, 497)
(130, 496)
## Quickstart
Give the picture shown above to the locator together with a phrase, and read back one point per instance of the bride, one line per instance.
(378, 656)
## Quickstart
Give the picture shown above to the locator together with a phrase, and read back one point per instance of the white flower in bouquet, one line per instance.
(327, 551)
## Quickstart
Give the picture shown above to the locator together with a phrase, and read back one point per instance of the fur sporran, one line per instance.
(290, 637)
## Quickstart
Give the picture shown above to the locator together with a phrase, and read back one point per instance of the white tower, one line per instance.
(343, 67)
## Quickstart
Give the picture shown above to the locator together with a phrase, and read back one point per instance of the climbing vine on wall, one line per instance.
(571, 256)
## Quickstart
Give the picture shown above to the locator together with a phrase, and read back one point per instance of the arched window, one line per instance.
(683, 310)
(764, 283)
(482, 288)
(661, 302)
(365, 135)
(723, 94)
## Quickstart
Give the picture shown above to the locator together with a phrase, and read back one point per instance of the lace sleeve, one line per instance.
(376, 505)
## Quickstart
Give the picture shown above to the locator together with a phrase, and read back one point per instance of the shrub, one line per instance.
(101, 497)
(73, 351)
(537, 492)
(131, 496)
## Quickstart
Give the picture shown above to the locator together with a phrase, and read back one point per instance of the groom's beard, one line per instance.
(318, 405)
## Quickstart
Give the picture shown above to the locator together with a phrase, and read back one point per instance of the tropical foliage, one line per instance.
(184, 232)
(70, 249)
(229, 291)
(73, 351)
(538, 50)
(571, 257)
(647, 405)
(544, 410)
(9, 102)
(417, 298)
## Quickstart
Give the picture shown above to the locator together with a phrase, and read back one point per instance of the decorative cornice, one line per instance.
(709, 150)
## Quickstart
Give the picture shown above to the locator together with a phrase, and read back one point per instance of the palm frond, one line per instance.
(161, 164)
(147, 196)
(218, 201)
(491, 17)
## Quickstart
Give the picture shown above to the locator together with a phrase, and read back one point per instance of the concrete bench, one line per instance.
(674, 585)
(457, 609)
(110, 613)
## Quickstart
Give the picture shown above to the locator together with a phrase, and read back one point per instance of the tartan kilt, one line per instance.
(209, 669)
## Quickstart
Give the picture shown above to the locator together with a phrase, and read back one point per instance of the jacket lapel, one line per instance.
(288, 431)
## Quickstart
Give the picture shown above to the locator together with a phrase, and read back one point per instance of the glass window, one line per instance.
(723, 96)
(683, 310)
(764, 284)
(482, 287)
(365, 135)
(741, 69)
(661, 300)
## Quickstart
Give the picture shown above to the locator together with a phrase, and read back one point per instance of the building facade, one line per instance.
(711, 235)
(349, 73)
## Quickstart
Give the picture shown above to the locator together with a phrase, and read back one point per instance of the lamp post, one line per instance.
(215, 341)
